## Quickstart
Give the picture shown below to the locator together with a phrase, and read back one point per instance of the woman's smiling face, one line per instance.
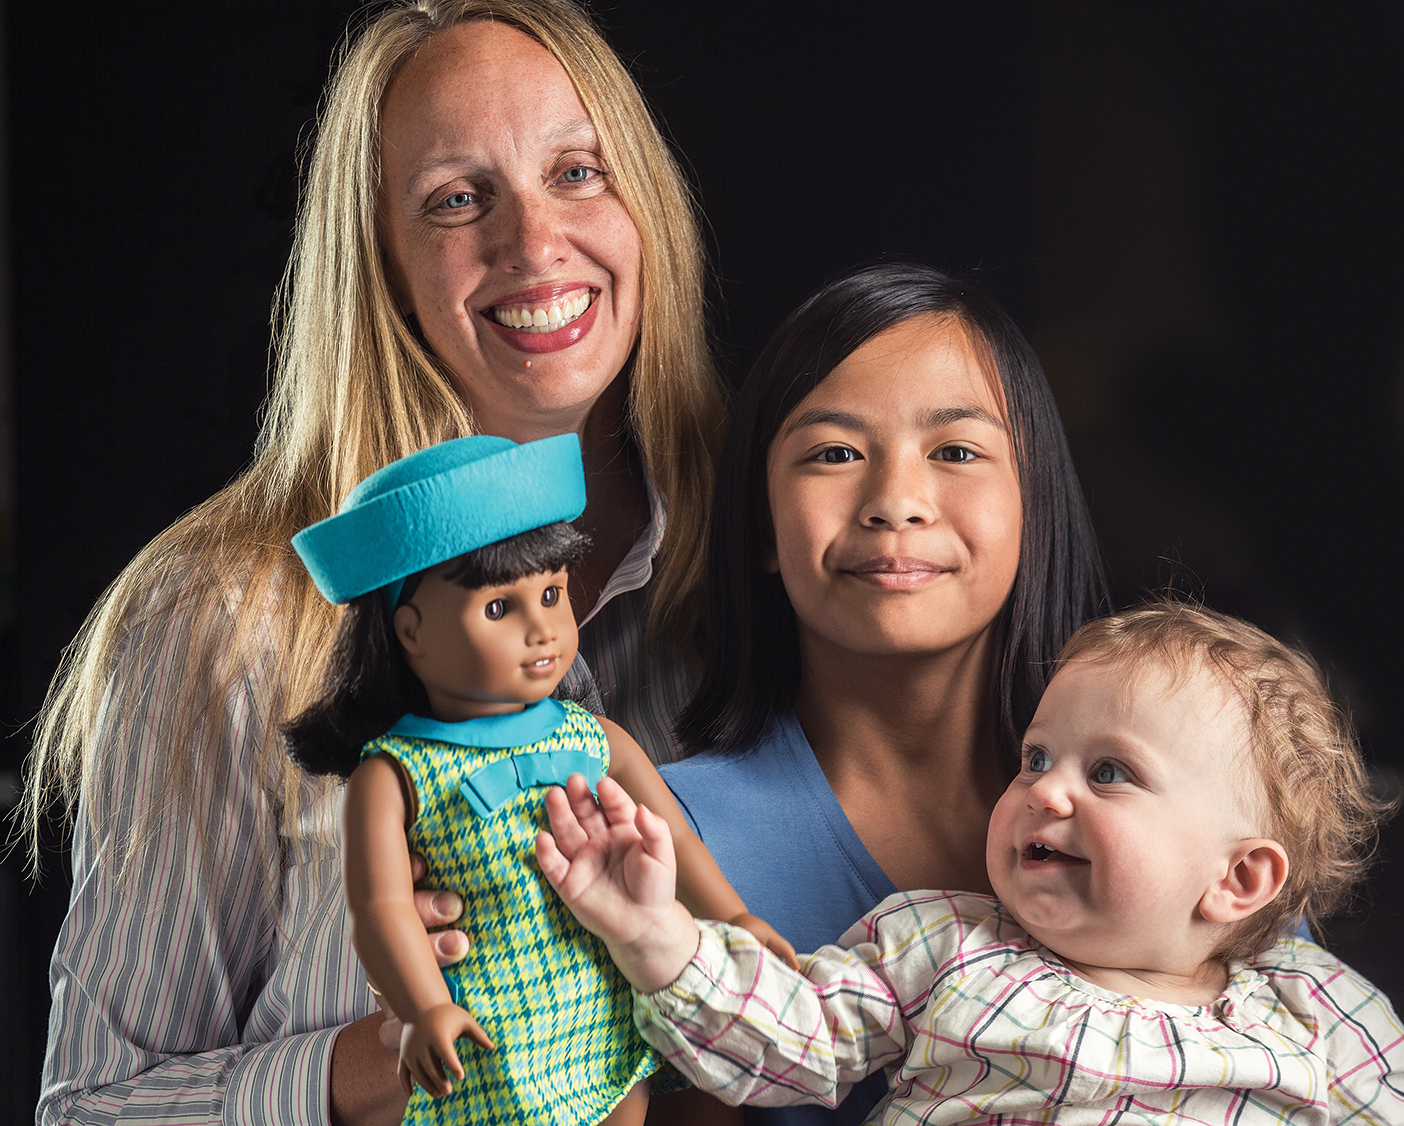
(503, 234)
(894, 496)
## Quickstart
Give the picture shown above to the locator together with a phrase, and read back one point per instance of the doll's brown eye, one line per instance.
(550, 596)
(496, 608)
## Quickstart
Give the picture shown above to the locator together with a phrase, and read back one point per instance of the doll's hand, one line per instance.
(612, 864)
(768, 937)
(427, 1050)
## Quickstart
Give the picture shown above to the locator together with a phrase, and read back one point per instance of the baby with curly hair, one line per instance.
(1188, 794)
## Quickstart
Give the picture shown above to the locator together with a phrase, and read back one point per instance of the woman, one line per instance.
(480, 164)
(903, 547)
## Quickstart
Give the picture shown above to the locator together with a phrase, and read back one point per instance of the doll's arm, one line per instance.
(700, 884)
(388, 934)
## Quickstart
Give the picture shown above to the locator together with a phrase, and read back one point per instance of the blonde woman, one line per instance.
(493, 238)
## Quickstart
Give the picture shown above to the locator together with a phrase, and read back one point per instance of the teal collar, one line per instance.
(515, 729)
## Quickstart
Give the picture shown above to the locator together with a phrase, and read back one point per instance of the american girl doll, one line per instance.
(1187, 789)
(455, 561)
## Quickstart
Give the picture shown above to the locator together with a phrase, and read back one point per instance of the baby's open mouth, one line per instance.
(1041, 852)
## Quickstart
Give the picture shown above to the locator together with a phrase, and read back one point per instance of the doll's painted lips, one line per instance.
(893, 572)
(542, 666)
(545, 319)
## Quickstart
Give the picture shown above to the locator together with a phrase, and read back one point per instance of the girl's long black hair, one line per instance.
(752, 663)
(369, 685)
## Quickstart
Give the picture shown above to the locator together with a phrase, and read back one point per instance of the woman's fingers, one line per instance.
(437, 907)
(569, 836)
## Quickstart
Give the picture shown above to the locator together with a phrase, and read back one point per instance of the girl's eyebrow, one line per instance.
(932, 419)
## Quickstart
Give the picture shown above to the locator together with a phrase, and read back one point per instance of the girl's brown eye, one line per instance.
(837, 455)
(495, 609)
(550, 596)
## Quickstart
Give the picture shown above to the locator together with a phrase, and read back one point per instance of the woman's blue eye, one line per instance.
(1109, 772)
(1040, 762)
(457, 200)
(550, 596)
(837, 455)
(495, 609)
(577, 175)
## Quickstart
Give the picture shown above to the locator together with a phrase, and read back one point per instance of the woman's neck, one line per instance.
(616, 509)
(909, 746)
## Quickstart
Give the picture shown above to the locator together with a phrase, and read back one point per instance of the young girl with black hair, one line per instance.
(438, 710)
(899, 547)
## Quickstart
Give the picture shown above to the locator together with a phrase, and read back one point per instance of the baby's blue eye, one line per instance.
(1108, 772)
(495, 609)
(837, 455)
(1040, 762)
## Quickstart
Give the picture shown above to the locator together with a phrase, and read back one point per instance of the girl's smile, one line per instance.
(894, 496)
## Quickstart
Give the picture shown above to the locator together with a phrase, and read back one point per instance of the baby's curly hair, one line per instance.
(1315, 791)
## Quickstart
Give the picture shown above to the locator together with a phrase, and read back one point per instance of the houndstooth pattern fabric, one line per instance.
(540, 985)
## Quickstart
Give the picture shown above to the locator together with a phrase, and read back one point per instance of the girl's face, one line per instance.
(488, 650)
(503, 234)
(894, 497)
(1128, 808)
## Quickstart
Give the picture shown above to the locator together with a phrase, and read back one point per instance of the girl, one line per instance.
(455, 560)
(1187, 789)
(899, 548)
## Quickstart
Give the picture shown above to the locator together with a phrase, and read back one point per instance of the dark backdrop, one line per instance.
(1196, 218)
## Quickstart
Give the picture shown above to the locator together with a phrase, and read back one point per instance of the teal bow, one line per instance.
(491, 787)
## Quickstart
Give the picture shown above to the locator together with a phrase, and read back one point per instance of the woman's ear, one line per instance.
(1256, 872)
(406, 622)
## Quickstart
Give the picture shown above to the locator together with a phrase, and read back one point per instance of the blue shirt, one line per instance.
(778, 833)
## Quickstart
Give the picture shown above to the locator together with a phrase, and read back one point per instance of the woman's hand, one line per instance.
(435, 909)
(768, 937)
(612, 865)
(427, 1052)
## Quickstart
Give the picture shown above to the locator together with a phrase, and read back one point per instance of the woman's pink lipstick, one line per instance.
(542, 297)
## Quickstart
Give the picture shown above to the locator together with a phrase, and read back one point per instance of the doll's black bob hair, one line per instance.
(368, 685)
(752, 647)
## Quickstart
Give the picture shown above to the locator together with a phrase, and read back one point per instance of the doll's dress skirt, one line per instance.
(541, 986)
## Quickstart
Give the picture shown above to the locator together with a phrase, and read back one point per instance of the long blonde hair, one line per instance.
(354, 389)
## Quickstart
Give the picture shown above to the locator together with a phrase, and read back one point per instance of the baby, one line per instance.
(1187, 794)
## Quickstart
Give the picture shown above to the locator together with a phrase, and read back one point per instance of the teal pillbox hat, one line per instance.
(437, 504)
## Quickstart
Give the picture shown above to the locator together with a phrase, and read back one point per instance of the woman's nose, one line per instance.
(899, 495)
(533, 238)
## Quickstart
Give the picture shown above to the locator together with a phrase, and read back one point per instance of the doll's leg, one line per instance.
(631, 1109)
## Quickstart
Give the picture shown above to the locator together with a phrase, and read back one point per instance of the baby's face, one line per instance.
(1125, 812)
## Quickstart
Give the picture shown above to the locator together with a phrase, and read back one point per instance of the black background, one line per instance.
(1195, 213)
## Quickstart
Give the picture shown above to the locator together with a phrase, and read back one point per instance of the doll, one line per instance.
(438, 709)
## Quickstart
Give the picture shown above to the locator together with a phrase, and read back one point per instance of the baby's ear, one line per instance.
(406, 623)
(1256, 872)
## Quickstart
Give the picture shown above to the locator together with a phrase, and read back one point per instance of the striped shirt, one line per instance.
(976, 1023)
(212, 988)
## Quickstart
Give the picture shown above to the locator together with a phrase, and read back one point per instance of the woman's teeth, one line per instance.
(547, 319)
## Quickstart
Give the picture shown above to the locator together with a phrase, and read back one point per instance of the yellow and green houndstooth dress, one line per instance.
(540, 985)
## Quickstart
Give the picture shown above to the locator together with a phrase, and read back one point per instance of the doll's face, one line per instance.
(489, 650)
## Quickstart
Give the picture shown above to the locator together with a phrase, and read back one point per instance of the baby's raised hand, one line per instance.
(612, 864)
(428, 1055)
